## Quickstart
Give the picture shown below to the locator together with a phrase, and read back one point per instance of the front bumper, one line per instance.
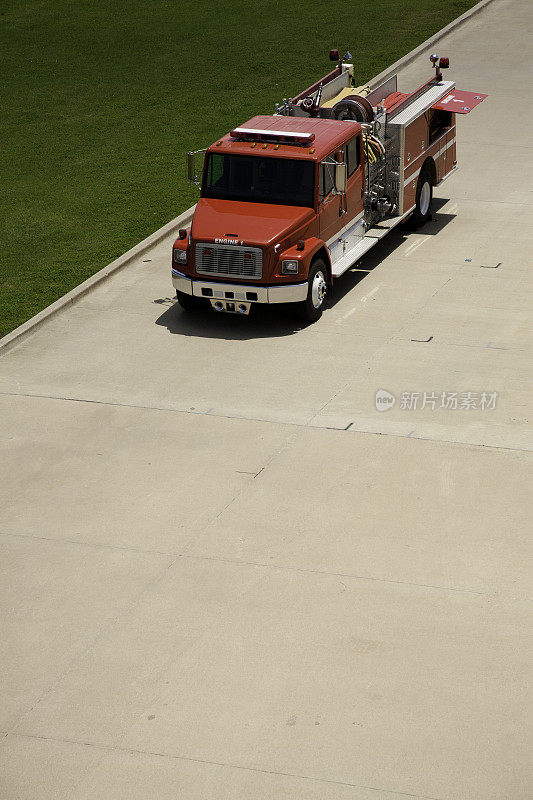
(287, 293)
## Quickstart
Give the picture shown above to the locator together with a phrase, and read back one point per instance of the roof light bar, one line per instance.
(280, 137)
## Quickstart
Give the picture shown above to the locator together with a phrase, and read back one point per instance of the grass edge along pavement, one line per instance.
(47, 286)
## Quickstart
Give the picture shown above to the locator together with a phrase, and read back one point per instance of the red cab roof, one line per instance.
(329, 135)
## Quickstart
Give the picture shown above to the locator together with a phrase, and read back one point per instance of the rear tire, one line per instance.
(188, 302)
(424, 200)
(312, 307)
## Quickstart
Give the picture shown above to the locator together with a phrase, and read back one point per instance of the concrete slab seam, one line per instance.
(175, 756)
(99, 633)
(308, 425)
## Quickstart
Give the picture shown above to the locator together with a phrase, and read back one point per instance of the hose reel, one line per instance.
(353, 107)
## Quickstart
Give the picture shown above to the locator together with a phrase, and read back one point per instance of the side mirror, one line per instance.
(194, 169)
(190, 168)
(341, 178)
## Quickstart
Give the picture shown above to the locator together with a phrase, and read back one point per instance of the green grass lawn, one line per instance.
(101, 100)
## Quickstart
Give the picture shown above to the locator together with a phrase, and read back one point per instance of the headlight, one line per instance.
(180, 256)
(289, 267)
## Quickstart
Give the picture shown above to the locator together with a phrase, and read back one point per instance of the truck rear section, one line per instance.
(289, 202)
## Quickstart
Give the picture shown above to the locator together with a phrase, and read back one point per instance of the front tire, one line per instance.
(424, 200)
(188, 302)
(312, 307)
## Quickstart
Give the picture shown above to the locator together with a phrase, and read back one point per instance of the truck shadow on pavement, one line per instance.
(281, 320)
(263, 322)
(385, 248)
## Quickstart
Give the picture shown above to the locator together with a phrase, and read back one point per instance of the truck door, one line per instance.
(336, 211)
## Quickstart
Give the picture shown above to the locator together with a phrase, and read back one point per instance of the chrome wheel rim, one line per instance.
(318, 289)
(425, 198)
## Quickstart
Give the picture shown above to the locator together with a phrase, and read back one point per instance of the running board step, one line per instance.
(386, 225)
(353, 255)
(371, 237)
(377, 233)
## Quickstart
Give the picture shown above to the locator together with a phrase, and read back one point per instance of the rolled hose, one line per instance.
(374, 150)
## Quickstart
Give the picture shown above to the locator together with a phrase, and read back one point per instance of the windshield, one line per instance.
(259, 179)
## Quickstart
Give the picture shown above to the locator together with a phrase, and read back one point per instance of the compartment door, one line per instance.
(450, 158)
(460, 102)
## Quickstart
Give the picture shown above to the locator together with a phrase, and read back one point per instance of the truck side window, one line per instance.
(326, 179)
(216, 169)
(352, 154)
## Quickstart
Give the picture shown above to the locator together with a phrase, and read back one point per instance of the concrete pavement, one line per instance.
(226, 574)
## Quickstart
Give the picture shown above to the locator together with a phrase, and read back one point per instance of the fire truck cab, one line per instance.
(290, 201)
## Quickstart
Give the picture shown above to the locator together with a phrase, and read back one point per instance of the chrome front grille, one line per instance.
(229, 260)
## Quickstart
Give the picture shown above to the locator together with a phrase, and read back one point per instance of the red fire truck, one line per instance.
(290, 201)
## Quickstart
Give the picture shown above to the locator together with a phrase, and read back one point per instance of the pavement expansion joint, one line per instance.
(240, 563)
(298, 425)
(95, 545)
(229, 764)
(305, 570)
